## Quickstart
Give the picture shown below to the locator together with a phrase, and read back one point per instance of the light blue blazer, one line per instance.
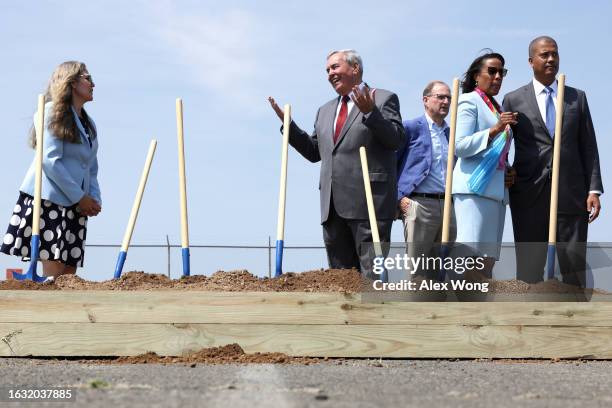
(70, 170)
(474, 118)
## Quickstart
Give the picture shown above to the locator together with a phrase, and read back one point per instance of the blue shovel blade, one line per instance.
(120, 262)
(279, 258)
(186, 266)
(550, 261)
(31, 273)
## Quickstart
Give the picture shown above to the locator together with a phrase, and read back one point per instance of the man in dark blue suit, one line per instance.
(422, 174)
(580, 176)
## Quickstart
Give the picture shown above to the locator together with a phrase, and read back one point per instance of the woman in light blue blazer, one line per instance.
(480, 215)
(70, 190)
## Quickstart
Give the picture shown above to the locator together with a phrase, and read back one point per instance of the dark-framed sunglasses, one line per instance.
(492, 71)
(87, 77)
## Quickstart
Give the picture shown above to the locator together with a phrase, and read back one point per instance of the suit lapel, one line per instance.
(328, 116)
(425, 130)
(82, 131)
(566, 105)
(427, 140)
(533, 106)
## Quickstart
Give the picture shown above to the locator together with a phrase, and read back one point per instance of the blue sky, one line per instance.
(224, 59)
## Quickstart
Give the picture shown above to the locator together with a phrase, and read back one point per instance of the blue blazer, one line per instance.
(414, 159)
(70, 170)
(474, 119)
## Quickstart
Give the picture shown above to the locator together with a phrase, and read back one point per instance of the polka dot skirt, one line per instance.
(62, 232)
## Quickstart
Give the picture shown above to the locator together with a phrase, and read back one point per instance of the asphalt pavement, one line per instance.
(345, 383)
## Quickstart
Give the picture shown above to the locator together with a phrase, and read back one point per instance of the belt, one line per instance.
(435, 196)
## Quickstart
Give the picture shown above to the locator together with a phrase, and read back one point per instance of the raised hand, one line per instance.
(279, 112)
(363, 98)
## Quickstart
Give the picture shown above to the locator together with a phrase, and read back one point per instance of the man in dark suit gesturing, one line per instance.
(580, 179)
(359, 116)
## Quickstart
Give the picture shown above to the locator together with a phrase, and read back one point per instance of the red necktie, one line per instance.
(341, 117)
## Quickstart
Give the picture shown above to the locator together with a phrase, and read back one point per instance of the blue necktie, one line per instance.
(550, 112)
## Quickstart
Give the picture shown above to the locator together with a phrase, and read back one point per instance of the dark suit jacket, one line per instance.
(414, 159)
(579, 165)
(380, 131)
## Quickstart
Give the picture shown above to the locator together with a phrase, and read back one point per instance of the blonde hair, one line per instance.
(61, 122)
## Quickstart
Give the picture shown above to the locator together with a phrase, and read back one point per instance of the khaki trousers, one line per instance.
(423, 230)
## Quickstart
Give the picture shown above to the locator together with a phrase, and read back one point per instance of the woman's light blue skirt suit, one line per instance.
(480, 218)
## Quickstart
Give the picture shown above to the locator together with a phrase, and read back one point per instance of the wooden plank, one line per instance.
(399, 341)
(282, 308)
(174, 307)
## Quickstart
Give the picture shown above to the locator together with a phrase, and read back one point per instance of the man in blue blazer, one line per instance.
(422, 174)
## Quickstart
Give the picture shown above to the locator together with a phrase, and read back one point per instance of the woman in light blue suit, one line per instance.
(481, 213)
(70, 190)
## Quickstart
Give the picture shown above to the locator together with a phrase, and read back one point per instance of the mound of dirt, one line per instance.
(26, 285)
(330, 280)
(322, 280)
(231, 353)
(514, 286)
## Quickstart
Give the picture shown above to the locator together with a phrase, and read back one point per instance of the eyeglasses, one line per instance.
(87, 77)
(492, 71)
(440, 97)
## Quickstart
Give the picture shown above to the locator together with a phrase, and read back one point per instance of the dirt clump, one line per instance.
(26, 285)
(228, 354)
